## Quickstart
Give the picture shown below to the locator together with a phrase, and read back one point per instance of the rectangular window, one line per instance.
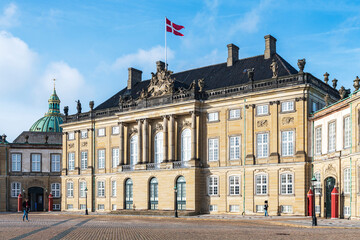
(115, 157)
(113, 207)
(234, 208)
(84, 160)
(234, 114)
(318, 141)
(84, 134)
(115, 130)
(55, 162)
(101, 207)
(261, 184)
(35, 162)
(262, 110)
(56, 207)
(69, 206)
(213, 185)
(317, 209)
(101, 158)
(213, 149)
(234, 152)
(286, 183)
(82, 206)
(234, 185)
(213, 117)
(213, 208)
(332, 137)
(55, 190)
(287, 139)
(287, 106)
(262, 145)
(71, 136)
(15, 189)
(318, 183)
(101, 132)
(16, 162)
(70, 189)
(346, 211)
(259, 208)
(113, 188)
(347, 132)
(71, 161)
(286, 209)
(101, 189)
(347, 175)
(82, 188)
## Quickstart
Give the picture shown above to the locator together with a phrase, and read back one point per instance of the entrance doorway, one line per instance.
(36, 198)
(329, 186)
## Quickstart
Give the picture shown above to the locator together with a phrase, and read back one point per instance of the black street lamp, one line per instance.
(86, 208)
(175, 202)
(314, 220)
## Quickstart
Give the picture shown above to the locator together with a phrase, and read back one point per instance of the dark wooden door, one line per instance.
(329, 186)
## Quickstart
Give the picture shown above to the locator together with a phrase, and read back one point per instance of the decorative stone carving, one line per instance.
(143, 94)
(158, 127)
(250, 73)
(301, 64)
(356, 83)
(184, 124)
(66, 111)
(330, 170)
(161, 82)
(274, 68)
(84, 144)
(133, 130)
(334, 81)
(326, 77)
(287, 120)
(91, 105)
(201, 84)
(71, 145)
(326, 99)
(78, 106)
(262, 123)
(342, 92)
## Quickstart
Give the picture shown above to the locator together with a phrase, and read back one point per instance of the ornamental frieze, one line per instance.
(84, 144)
(287, 120)
(71, 145)
(262, 123)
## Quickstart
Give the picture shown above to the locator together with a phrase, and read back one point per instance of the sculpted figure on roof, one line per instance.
(161, 82)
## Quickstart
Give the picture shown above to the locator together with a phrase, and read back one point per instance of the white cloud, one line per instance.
(9, 16)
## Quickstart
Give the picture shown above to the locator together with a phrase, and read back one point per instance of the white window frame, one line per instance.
(71, 136)
(115, 157)
(101, 207)
(347, 132)
(55, 162)
(262, 110)
(16, 162)
(213, 116)
(347, 211)
(56, 207)
(15, 189)
(84, 134)
(71, 161)
(70, 189)
(113, 188)
(213, 185)
(287, 106)
(213, 149)
(101, 158)
(287, 183)
(235, 147)
(186, 145)
(84, 160)
(213, 208)
(318, 140)
(101, 132)
(287, 143)
(115, 130)
(101, 188)
(36, 162)
(317, 183)
(159, 148)
(82, 187)
(55, 190)
(133, 150)
(234, 185)
(332, 136)
(286, 209)
(70, 206)
(262, 146)
(234, 114)
(234, 208)
(261, 184)
(259, 208)
(347, 182)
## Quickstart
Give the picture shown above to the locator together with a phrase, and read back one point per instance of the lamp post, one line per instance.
(175, 202)
(314, 220)
(86, 208)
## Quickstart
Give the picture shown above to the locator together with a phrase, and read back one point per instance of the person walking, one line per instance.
(26, 209)
(266, 206)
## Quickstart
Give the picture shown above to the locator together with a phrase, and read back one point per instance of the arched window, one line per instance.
(181, 193)
(185, 145)
(133, 150)
(158, 147)
(153, 194)
(129, 194)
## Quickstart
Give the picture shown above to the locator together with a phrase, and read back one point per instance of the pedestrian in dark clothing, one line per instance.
(266, 206)
(26, 209)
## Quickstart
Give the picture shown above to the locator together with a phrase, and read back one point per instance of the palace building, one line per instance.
(223, 138)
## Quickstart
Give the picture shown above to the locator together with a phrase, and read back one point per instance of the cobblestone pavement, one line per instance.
(66, 226)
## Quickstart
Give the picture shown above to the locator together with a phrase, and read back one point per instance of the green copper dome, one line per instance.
(52, 119)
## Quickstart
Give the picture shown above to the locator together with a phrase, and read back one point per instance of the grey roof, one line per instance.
(215, 76)
(39, 137)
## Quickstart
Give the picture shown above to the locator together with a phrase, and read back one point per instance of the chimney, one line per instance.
(134, 77)
(270, 46)
(233, 54)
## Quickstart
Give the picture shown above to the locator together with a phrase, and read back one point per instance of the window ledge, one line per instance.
(214, 195)
(287, 195)
(284, 112)
(239, 195)
(234, 119)
(213, 121)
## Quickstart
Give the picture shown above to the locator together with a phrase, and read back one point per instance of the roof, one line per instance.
(215, 76)
(39, 138)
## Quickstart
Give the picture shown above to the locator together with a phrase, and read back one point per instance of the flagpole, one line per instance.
(165, 47)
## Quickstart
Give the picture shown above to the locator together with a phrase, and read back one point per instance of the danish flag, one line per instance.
(174, 28)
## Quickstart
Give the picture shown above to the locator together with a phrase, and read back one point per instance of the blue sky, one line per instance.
(88, 45)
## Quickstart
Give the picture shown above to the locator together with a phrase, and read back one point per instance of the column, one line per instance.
(145, 138)
(193, 135)
(172, 135)
(121, 147)
(250, 136)
(139, 160)
(165, 143)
